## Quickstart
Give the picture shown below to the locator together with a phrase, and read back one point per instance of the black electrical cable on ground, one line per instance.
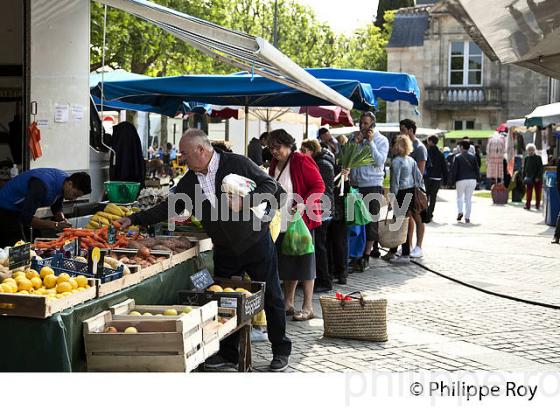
(489, 292)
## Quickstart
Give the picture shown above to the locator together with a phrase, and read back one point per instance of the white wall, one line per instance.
(60, 75)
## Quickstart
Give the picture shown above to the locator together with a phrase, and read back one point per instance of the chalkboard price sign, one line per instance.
(19, 256)
(202, 279)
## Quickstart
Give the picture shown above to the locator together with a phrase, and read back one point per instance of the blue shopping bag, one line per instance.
(356, 240)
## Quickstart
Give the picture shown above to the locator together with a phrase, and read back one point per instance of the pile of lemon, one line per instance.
(44, 283)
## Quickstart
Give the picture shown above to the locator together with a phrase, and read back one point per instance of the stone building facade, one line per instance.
(460, 87)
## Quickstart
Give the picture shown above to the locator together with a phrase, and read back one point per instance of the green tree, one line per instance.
(387, 5)
(143, 48)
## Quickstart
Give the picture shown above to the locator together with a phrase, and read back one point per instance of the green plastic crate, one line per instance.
(122, 192)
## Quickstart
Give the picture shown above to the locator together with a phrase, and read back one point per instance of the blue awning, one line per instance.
(169, 93)
(388, 86)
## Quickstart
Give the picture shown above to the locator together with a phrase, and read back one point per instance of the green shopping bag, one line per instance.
(361, 214)
(297, 239)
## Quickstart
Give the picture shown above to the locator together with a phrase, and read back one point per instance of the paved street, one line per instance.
(436, 324)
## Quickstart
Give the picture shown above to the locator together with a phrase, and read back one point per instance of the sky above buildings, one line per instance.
(344, 16)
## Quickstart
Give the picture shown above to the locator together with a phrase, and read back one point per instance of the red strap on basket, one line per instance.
(340, 296)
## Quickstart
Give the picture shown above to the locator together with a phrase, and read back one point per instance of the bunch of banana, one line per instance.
(112, 212)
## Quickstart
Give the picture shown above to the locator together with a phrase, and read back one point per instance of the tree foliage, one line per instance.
(387, 5)
(141, 47)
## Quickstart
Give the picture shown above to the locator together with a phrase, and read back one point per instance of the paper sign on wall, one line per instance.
(77, 112)
(61, 113)
(43, 123)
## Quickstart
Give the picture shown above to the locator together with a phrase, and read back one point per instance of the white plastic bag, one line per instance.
(237, 187)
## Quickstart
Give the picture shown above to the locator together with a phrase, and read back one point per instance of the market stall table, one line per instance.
(56, 344)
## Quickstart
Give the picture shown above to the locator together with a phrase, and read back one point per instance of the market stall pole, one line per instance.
(246, 128)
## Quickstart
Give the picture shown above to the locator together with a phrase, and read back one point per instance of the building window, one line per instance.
(465, 64)
(463, 125)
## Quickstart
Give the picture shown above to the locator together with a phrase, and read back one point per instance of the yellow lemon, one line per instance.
(87, 286)
(215, 288)
(74, 291)
(14, 286)
(81, 289)
(45, 271)
(41, 291)
(23, 292)
(18, 273)
(36, 282)
(66, 294)
(20, 278)
(63, 287)
(82, 281)
(63, 277)
(25, 284)
(6, 288)
(9, 280)
(59, 296)
(49, 281)
(73, 282)
(51, 292)
(31, 273)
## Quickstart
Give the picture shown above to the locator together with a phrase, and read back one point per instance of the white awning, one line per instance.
(545, 115)
(526, 33)
(241, 50)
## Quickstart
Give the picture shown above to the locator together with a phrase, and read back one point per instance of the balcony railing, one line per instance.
(446, 97)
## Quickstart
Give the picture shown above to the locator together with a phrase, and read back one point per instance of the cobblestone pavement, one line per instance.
(436, 324)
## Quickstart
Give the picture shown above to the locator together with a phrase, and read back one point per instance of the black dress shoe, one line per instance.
(555, 240)
(375, 254)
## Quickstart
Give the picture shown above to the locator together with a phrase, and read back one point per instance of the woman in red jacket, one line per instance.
(299, 175)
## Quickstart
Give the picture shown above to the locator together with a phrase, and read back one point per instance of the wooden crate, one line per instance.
(207, 312)
(13, 304)
(247, 306)
(202, 240)
(184, 256)
(170, 345)
(212, 329)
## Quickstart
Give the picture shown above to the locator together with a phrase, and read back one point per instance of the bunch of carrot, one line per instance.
(89, 238)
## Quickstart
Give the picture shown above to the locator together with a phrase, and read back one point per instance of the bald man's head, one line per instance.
(196, 150)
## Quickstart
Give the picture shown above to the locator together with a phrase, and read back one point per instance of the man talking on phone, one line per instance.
(369, 179)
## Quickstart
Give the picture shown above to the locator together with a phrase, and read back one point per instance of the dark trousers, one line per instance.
(432, 188)
(261, 264)
(12, 230)
(401, 196)
(337, 239)
(323, 276)
(557, 230)
(374, 207)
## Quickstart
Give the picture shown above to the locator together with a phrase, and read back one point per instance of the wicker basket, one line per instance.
(389, 236)
(355, 317)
